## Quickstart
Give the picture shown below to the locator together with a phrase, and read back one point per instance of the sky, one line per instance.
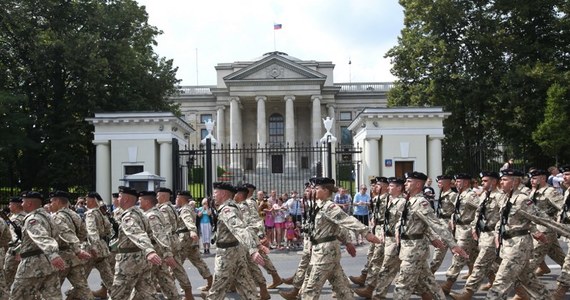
(198, 35)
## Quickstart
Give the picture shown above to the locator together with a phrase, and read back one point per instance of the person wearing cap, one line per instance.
(188, 241)
(71, 233)
(482, 229)
(99, 230)
(390, 263)
(564, 277)
(327, 220)
(416, 222)
(550, 202)
(135, 253)
(444, 210)
(162, 241)
(38, 254)
(17, 216)
(236, 244)
(465, 207)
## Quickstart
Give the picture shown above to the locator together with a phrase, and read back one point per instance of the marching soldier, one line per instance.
(188, 238)
(235, 243)
(5, 239)
(162, 241)
(71, 233)
(564, 218)
(482, 229)
(17, 216)
(416, 221)
(134, 251)
(40, 261)
(445, 208)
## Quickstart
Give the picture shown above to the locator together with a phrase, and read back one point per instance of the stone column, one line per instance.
(220, 124)
(316, 119)
(290, 129)
(261, 133)
(165, 161)
(235, 134)
(371, 164)
(103, 170)
(331, 114)
(434, 160)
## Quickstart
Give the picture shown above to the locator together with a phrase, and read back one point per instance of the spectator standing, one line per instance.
(205, 213)
(279, 211)
(361, 208)
(290, 232)
(555, 179)
(295, 207)
(508, 165)
(80, 208)
(343, 200)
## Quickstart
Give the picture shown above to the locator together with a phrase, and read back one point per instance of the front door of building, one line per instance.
(277, 163)
(402, 167)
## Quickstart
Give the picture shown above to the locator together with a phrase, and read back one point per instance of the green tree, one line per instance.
(60, 62)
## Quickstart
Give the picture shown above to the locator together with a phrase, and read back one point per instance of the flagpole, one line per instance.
(274, 42)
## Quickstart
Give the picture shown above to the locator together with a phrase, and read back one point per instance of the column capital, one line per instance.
(289, 97)
(260, 98)
(164, 141)
(331, 105)
(101, 142)
(436, 137)
(222, 107)
(235, 98)
(316, 97)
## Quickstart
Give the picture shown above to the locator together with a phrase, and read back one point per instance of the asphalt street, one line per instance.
(286, 263)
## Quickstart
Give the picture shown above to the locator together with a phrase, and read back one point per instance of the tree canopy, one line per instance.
(61, 61)
(491, 64)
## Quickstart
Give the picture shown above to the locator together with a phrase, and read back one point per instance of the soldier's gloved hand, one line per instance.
(154, 259)
(540, 236)
(258, 259)
(169, 261)
(459, 251)
(82, 254)
(372, 238)
(58, 263)
(194, 236)
(351, 249)
(438, 244)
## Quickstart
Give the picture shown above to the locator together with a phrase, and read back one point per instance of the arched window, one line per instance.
(276, 129)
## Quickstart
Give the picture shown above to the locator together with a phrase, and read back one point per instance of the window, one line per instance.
(205, 117)
(346, 116)
(133, 169)
(345, 136)
(203, 133)
(276, 130)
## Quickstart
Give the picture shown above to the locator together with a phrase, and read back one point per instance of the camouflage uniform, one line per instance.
(10, 262)
(162, 241)
(35, 274)
(325, 248)
(71, 233)
(5, 238)
(235, 244)
(255, 218)
(377, 257)
(414, 249)
(564, 278)
(516, 251)
(446, 207)
(133, 245)
(253, 223)
(98, 229)
(188, 247)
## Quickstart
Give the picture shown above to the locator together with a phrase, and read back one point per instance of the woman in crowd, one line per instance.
(205, 213)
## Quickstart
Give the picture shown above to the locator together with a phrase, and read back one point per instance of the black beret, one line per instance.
(115, 195)
(463, 176)
(184, 194)
(396, 180)
(164, 190)
(59, 194)
(16, 199)
(428, 190)
(416, 175)
(492, 174)
(565, 168)
(127, 190)
(242, 188)
(538, 172)
(224, 186)
(512, 172)
(382, 179)
(321, 181)
(95, 195)
(147, 193)
(444, 177)
(249, 186)
(32, 194)
(307, 184)
(373, 180)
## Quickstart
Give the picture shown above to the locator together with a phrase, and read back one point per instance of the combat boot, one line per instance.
(468, 273)
(520, 294)
(446, 287)
(263, 293)
(542, 269)
(208, 284)
(360, 280)
(288, 280)
(489, 285)
(365, 292)
(290, 295)
(101, 293)
(426, 296)
(466, 295)
(276, 281)
(560, 292)
(188, 294)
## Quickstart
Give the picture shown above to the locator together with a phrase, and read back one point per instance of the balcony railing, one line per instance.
(364, 87)
(195, 90)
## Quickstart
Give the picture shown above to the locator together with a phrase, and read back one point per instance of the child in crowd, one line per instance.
(290, 232)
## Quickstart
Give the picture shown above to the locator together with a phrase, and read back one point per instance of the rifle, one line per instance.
(564, 214)
(211, 203)
(304, 228)
(376, 210)
(439, 211)
(481, 220)
(387, 216)
(533, 198)
(504, 221)
(113, 222)
(457, 211)
(17, 228)
(403, 222)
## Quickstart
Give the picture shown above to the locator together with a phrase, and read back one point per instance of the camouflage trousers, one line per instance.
(484, 263)
(437, 259)
(162, 275)
(389, 269)
(269, 267)
(515, 255)
(192, 253)
(4, 291)
(231, 265)
(28, 288)
(299, 276)
(77, 279)
(317, 275)
(10, 267)
(564, 278)
(458, 262)
(375, 261)
(103, 265)
(132, 271)
(369, 255)
(551, 248)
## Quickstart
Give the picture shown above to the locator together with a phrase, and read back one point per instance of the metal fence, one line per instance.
(283, 168)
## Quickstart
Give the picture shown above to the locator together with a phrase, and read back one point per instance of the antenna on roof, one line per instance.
(349, 70)
(196, 66)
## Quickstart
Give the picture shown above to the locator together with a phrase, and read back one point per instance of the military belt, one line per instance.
(128, 250)
(182, 230)
(446, 217)
(389, 233)
(64, 248)
(463, 222)
(412, 236)
(31, 253)
(323, 240)
(513, 233)
(566, 221)
(227, 245)
(487, 229)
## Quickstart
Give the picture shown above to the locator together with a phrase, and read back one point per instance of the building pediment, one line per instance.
(274, 69)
